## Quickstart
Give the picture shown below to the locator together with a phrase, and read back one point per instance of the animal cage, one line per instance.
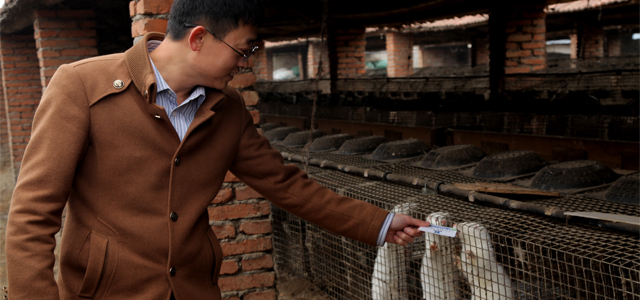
(497, 253)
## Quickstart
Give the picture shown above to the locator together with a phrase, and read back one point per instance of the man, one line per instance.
(137, 145)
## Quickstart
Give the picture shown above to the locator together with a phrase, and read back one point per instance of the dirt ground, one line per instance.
(295, 288)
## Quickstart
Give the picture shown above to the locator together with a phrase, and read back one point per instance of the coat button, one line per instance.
(177, 161)
(173, 216)
(172, 271)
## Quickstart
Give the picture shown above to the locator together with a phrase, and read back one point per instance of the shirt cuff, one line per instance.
(385, 229)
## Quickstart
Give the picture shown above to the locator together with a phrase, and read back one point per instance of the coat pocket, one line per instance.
(217, 254)
(97, 253)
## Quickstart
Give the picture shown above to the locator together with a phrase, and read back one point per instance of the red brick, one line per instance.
(357, 43)
(536, 29)
(511, 63)
(241, 81)
(534, 15)
(536, 45)
(256, 116)
(246, 246)
(224, 195)
(245, 192)
(238, 211)
(41, 34)
(250, 97)
(76, 14)
(263, 262)
(243, 282)
(534, 61)
(519, 38)
(153, 7)
(263, 295)
(54, 24)
(55, 62)
(540, 21)
(537, 68)
(132, 9)
(229, 177)
(521, 53)
(539, 37)
(511, 29)
(228, 267)
(539, 52)
(79, 52)
(48, 53)
(77, 33)
(224, 231)
(144, 26)
(255, 227)
(515, 70)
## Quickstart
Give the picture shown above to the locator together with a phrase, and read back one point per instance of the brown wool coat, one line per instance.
(111, 155)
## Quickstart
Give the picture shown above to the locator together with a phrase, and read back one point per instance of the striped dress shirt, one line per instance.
(182, 115)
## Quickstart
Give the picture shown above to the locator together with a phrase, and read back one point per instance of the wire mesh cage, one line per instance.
(497, 253)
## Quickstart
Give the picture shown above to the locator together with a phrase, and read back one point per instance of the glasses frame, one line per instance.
(245, 57)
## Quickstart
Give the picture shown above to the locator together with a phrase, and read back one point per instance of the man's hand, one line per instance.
(404, 229)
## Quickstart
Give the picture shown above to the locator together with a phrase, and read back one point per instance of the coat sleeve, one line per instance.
(262, 168)
(58, 142)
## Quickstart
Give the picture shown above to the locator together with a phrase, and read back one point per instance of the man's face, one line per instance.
(217, 62)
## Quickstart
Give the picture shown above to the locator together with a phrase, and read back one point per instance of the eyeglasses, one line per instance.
(245, 57)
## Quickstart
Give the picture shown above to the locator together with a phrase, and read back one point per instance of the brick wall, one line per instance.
(63, 36)
(148, 16)
(240, 218)
(346, 53)
(614, 44)
(480, 52)
(22, 87)
(593, 43)
(399, 53)
(526, 40)
(574, 45)
(313, 59)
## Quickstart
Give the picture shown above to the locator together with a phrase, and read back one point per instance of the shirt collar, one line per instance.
(162, 86)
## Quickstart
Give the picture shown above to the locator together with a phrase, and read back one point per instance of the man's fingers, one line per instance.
(399, 241)
(414, 232)
(405, 237)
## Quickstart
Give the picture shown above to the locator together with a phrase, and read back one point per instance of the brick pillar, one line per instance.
(614, 44)
(62, 37)
(591, 43)
(262, 63)
(526, 47)
(240, 218)
(480, 52)
(399, 52)
(346, 53)
(314, 53)
(22, 90)
(148, 16)
(574, 45)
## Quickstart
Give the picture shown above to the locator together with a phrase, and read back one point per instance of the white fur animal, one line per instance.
(487, 278)
(389, 281)
(439, 275)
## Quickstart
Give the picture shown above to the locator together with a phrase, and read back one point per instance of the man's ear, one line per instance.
(195, 38)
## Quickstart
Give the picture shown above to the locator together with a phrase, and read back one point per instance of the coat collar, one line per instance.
(144, 79)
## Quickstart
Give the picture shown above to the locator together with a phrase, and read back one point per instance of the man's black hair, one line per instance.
(219, 16)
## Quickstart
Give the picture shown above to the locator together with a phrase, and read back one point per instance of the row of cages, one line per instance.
(496, 254)
(604, 127)
(607, 87)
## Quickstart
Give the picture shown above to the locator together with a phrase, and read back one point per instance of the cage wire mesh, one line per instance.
(497, 254)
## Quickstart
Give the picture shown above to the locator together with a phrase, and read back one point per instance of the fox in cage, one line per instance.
(460, 267)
